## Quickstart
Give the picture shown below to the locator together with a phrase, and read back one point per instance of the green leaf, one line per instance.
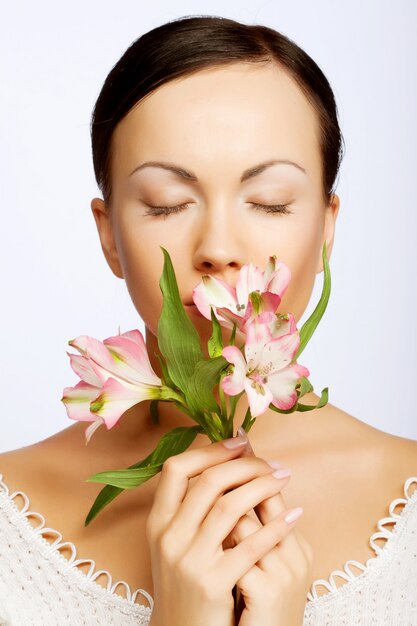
(126, 478)
(233, 400)
(215, 343)
(199, 395)
(174, 442)
(305, 386)
(165, 374)
(248, 421)
(108, 493)
(304, 407)
(283, 411)
(178, 339)
(322, 402)
(310, 325)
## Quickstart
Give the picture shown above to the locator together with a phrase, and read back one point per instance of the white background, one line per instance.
(55, 282)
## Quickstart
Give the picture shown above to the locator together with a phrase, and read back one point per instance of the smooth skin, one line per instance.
(187, 530)
(215, 125)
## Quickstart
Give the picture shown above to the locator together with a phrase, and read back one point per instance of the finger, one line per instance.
(230, 507)
(247, 525)
(177, 471)
(238, 562)
(271, 507)
(211, 485)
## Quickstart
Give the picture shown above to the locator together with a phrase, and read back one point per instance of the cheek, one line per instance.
(142, 262)
(300, 252)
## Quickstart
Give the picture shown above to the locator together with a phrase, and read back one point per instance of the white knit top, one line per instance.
(39, 586)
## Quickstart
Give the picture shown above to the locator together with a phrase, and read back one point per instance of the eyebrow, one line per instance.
(249, 173)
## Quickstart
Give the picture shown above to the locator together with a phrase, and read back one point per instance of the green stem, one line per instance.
(249, 421)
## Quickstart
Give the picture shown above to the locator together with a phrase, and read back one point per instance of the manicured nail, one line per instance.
(293, 514)
(242, 433)
(235, 442)
(282, 473)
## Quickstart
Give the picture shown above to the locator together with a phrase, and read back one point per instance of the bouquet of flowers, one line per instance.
(116, 374)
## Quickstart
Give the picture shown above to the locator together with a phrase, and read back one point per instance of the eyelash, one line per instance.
(167, 210)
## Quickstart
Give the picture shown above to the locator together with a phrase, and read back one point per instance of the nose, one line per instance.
(221, 243)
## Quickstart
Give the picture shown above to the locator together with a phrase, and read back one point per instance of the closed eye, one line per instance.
(167, 210)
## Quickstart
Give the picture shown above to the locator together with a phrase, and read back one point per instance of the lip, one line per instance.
(193, 309)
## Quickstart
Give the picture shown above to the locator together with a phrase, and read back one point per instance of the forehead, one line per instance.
(225, 117)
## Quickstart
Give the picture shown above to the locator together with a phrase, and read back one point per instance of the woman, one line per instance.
(220, 142)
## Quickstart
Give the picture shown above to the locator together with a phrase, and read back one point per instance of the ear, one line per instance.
(332, 211)
(105, 230)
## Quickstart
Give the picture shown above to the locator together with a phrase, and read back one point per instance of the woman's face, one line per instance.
(215, 129)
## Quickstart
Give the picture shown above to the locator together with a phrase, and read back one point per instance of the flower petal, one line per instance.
(279, 280)
(283, 325)
(259, 396)
(233, 384)
(89, 432)
(215, 292)
(131, 359)
(282, 386)
(270, 268)
(257, 336)
(116, 398)
(87, 370)
(250, 279)
(94, 349)
(268, 303)
(278, 353)
(227, 318)
(77, 401)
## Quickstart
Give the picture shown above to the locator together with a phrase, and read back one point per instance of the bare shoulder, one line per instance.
(38, 471)
(53, 474)
(398, 458)
(385, 459)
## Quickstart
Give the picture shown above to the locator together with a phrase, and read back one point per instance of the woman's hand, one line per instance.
(274, 590)
(193, 575)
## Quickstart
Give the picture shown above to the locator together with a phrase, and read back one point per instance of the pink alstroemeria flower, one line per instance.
(115, 375)
(231, 303)
(265, 371)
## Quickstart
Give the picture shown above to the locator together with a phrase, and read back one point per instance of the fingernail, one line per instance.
(293, 514)
(242, 433)
(235, 442)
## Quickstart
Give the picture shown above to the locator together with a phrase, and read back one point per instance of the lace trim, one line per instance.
(382, 533)
(54, 547)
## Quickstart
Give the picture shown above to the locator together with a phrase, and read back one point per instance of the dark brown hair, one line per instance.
(191, 43)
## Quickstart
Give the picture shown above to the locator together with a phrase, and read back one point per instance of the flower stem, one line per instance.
(249, 421)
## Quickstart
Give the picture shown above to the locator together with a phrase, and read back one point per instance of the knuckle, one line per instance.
(223, 506)
(172, 466)
(208, 477)
(165, 547)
